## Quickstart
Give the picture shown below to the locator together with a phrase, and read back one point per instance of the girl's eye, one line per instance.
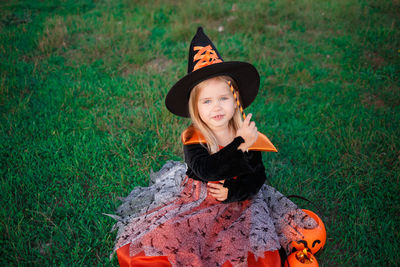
(206, 101)
(224, 98)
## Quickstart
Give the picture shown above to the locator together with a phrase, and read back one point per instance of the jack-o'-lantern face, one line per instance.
(301, 259)
(313, 239)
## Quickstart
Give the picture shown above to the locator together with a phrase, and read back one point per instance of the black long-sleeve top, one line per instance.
(226, 164)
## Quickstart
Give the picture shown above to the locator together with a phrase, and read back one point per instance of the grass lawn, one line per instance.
(83, 120)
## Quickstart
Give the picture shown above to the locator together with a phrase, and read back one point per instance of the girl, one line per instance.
(215, 210)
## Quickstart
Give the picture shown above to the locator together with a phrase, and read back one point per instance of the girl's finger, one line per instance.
(214, 183)
(216, 196)
(212, 187)
(220, 199)
(214, 191)
(247, 120)
(216, 186)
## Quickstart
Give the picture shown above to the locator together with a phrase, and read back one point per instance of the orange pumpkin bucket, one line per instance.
(313, 239)
(302, 258)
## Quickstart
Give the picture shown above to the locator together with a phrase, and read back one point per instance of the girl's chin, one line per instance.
(218, 126)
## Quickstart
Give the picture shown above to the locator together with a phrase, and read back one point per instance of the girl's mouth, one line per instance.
(218, 117)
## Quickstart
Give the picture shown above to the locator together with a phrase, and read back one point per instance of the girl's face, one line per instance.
(216, 104)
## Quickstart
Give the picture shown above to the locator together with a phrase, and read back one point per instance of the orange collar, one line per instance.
(192, 135)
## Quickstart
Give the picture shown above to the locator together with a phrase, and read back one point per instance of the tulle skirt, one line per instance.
(177, 218)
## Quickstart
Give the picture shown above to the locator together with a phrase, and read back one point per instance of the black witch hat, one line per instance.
(205, 62)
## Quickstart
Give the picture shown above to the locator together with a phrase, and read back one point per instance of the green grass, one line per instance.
(83, 120)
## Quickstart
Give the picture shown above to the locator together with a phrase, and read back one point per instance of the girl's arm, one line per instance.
(247, 185)
(226, 163)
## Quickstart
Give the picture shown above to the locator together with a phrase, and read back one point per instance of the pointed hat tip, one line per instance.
(199, 29)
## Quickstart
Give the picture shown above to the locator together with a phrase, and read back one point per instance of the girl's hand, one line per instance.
(249, 133)
(217, 190)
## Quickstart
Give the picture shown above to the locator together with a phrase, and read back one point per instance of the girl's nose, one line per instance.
(217, 106)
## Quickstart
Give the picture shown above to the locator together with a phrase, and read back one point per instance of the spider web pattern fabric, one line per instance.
(175, 217)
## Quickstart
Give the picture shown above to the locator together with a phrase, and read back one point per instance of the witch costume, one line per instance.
(175, 221)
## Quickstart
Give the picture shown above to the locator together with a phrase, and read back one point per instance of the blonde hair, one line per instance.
(234, 123)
